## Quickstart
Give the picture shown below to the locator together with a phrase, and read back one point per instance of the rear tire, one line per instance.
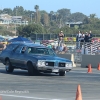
(63, 73)
(9, 68)
(31, 70)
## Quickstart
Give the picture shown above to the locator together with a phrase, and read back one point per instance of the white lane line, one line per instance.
(85, 72)
(27, 97)
(78, 72)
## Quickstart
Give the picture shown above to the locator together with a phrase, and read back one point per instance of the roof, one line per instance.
(28, 44)
(19, 39)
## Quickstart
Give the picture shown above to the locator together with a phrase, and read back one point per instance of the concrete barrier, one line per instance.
(68, 56)
(94, 60)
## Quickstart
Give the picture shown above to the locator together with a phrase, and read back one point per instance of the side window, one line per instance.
(18, 50)
(29, 50)
(11, 47)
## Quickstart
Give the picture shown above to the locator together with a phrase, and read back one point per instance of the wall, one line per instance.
(90, 59)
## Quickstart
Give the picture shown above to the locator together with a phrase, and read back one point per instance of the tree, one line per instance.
(37, 13)
(45, 19)
(92, 15)
(51, 15)
(75, 17)
(30, 29)
(63, 14)
(7, 11)
(86, 20)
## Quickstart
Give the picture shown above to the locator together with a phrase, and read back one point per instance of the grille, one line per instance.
(61, 65)
(49, 63)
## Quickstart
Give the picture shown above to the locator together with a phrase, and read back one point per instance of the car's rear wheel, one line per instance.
(62, 73)
(31, 70)
(9, 68)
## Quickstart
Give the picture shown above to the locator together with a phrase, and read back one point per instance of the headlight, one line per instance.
(41, 63)
(69, 65)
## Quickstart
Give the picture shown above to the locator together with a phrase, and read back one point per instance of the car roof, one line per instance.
(28, 44)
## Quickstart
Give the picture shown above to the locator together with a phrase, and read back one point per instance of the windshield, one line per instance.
(44, 51)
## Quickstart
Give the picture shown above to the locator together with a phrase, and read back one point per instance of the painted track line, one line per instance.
(84, 72)
(27, 97)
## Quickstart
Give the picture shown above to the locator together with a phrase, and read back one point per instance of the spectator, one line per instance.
(64, 49)
(60, 48)
(61, 35)
(78, 38)
(90, 36)
(82, 39)
(86, 38)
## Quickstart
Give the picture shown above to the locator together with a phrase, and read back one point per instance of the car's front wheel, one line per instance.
(68, 70)
(31, 70)
(9, 68)
(62, 73)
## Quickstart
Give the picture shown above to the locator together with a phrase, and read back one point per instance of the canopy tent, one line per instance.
(19, 39)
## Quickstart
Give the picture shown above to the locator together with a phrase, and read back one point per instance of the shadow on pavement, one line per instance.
(25, 73)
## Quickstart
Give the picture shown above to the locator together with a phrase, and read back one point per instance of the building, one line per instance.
(72, 24)
(6, 19)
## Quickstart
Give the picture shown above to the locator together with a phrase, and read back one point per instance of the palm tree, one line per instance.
(36, 8)
(51, 14)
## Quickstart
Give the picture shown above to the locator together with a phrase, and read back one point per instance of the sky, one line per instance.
(86, 7)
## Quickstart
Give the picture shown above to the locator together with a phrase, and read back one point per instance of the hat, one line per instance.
(61, 31)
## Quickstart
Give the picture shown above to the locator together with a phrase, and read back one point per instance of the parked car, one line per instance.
(34, 58)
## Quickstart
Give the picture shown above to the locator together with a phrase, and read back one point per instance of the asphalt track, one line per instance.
(20, 86)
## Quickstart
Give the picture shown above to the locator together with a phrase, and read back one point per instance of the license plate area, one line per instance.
(55, 70)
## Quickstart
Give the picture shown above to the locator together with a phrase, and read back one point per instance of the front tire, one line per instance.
(63, 73)
(31, 70)
(9, 68)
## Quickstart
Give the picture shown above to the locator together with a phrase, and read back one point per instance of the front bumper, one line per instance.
(54, 69)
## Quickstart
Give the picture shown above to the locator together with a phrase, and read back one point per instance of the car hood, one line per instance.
(53, 58)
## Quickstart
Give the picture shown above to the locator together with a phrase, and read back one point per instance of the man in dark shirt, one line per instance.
(90, 36)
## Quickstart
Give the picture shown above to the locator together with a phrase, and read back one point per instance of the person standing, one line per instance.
(82, 39)
(90, 36)
(60, 36)
(78, 39)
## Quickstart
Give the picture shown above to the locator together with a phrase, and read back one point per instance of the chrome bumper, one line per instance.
(45, 68)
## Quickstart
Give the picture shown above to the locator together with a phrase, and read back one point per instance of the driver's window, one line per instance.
(18, 49)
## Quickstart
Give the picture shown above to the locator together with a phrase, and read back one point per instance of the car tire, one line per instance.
(62, 73)
(68, 70)
(9, 68)
(31, 70)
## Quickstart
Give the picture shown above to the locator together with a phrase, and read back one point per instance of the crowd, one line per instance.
(61, 47)
(82, 37)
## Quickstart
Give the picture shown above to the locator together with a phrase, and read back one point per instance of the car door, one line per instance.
(18, 58)
(22, 58)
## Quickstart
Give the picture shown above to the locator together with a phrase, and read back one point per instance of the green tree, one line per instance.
(46, 19)
(7, 11)
(75, 17)
(30, 29)
(63, 14)
(51, 15)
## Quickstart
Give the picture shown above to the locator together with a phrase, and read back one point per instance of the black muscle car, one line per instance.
(34, 58)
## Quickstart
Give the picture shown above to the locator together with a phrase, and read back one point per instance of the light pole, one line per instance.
(31, 17)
